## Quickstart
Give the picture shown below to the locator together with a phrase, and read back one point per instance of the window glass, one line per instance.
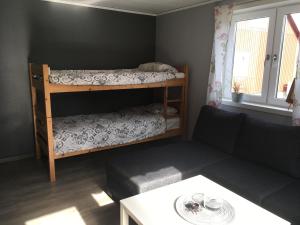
(289, 54)
(249, 55)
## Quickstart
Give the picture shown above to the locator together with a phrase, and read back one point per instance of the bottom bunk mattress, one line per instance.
(74, 133)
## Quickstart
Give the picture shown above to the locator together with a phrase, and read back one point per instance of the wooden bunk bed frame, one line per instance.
(42, 113)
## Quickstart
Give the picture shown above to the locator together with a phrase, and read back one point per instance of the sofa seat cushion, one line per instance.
(249, 180)
(285, 203)
(218, 128)
(274, 145)
(151, 168)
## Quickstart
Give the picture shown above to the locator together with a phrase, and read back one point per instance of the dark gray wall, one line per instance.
(67, 36)
(63, 36)
(186, 37)
(98, 102)
(15, 112)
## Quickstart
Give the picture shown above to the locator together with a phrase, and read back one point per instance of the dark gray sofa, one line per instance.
(258, 160)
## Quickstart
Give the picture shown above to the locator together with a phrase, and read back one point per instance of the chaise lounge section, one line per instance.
(257, 160)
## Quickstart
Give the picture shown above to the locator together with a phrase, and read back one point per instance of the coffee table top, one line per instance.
(158, 206)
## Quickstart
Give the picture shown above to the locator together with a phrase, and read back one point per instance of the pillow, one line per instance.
(273, 145)
(157, 108)
(165, 68)
(147, 67)
(218, 128)
(157, 67)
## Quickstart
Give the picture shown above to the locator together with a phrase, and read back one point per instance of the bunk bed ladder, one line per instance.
(182, 100)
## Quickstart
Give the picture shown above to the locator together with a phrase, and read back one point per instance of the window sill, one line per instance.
(259, 107)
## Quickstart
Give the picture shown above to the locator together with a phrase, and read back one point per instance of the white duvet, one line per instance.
(75, 133)
(109, 77)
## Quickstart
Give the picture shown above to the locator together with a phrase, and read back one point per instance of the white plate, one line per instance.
(221, 216)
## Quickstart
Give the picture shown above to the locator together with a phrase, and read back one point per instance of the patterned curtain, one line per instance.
(296, 96)
(296, 104)
(223, 16)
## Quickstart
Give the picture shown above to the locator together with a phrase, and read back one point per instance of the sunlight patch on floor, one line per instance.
(63, 217)
(102, 198)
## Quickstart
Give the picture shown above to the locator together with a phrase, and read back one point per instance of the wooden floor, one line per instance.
(26, 194)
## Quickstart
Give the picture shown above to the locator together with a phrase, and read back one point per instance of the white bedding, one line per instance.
(109, 77)
(99, 130)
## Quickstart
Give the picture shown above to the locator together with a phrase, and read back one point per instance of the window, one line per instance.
(262, 54)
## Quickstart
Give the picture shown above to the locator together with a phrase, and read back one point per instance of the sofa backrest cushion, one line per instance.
(218, 128)
(273, 145)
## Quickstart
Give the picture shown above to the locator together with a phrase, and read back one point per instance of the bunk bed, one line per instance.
(61, 137)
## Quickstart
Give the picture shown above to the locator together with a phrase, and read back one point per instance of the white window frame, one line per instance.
(277, 50)
(274, 45)
(271, 13)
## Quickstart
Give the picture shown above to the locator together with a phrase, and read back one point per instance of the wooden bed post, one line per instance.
(165, 113)
(185, 100)
(34, 117)
(47, 98)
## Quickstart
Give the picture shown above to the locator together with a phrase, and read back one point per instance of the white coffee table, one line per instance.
(156, 207)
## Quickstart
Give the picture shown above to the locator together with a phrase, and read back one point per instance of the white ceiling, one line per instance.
(148, 7)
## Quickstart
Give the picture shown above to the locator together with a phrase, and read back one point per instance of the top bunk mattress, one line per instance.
(109, 77)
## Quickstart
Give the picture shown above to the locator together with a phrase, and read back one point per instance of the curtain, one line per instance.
(296, 104)
(223, 17)
(295, 95)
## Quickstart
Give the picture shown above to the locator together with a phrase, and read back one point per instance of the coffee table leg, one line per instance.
(124, 218)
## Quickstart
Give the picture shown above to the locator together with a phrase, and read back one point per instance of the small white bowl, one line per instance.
(213, 203)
